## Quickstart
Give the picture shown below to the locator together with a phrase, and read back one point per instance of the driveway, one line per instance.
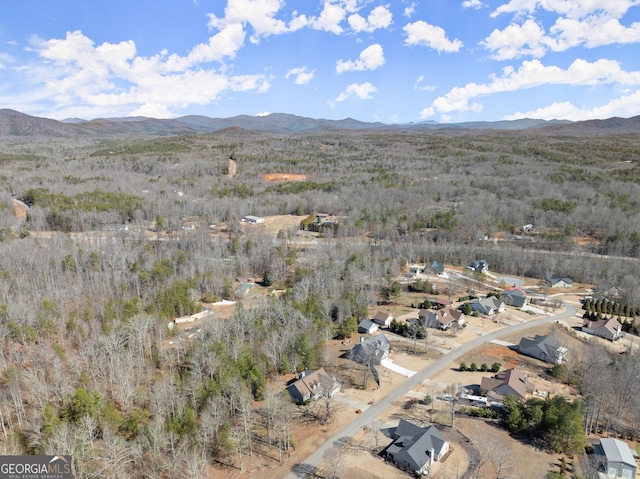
(389, 364)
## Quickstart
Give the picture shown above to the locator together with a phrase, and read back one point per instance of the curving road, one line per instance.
(311, 463)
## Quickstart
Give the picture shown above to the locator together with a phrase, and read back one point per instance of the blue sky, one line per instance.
(398, 61)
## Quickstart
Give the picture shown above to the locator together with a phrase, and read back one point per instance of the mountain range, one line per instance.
(14, 123)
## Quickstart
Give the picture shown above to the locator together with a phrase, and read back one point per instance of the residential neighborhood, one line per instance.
(422, 447)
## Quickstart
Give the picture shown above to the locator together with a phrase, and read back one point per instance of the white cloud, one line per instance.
(475, 4)
(568, 8)
(370, 58)
(330, 18)
(335, 12)
(591, 23)
(302, 75)
(593, 31)
(152, 110)
(113, 77)
(225, 43)
(423, 34)
(4, 59)
(530, 39)
(380, 17)
(362, 91)
(625, 106)
(418, 85)
(410, 10)
(517, 40)
(264, 113)
(532, 74)
(260, 14)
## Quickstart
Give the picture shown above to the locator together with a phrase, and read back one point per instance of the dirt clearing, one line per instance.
(285, 177)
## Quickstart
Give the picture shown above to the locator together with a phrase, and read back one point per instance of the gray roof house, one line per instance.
(370, 350)
(441, 318)
(367, 327)
(479, 265)
(515, 297)
(609, 329)
(545, 348)
(615, 459)
(558, 282)
(489, 305)
(437, 267)
(312, 385)
(415, 448)
(382, 319)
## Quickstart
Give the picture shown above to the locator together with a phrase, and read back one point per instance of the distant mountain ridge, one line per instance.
(13, 123)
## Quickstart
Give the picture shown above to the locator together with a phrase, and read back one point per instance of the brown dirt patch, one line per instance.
(522, 461)
(501, 354)
(285, 177)
(20, 209)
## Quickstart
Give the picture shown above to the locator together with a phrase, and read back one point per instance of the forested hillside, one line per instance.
(122, 236)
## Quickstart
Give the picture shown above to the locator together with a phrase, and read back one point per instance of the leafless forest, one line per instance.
(123, 235)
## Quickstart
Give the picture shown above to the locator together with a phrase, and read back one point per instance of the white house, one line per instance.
(367, 327)
(253, 220)
(558, 282)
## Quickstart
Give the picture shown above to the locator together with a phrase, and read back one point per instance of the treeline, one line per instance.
(602, 308)
(556, 421)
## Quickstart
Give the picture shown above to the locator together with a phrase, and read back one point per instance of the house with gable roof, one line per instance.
(371, 350)
(489, 305)
(382, 319)
(415, 448)
(436, 267)
(367, 327)
(558, 282)
(515, 297)
(546, 348)
(479, 266)
(313, 384)
(510, 382)
(615, 459)
(441, 318)
(609, 329)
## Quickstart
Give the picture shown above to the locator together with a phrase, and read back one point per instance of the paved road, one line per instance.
(310, 464)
